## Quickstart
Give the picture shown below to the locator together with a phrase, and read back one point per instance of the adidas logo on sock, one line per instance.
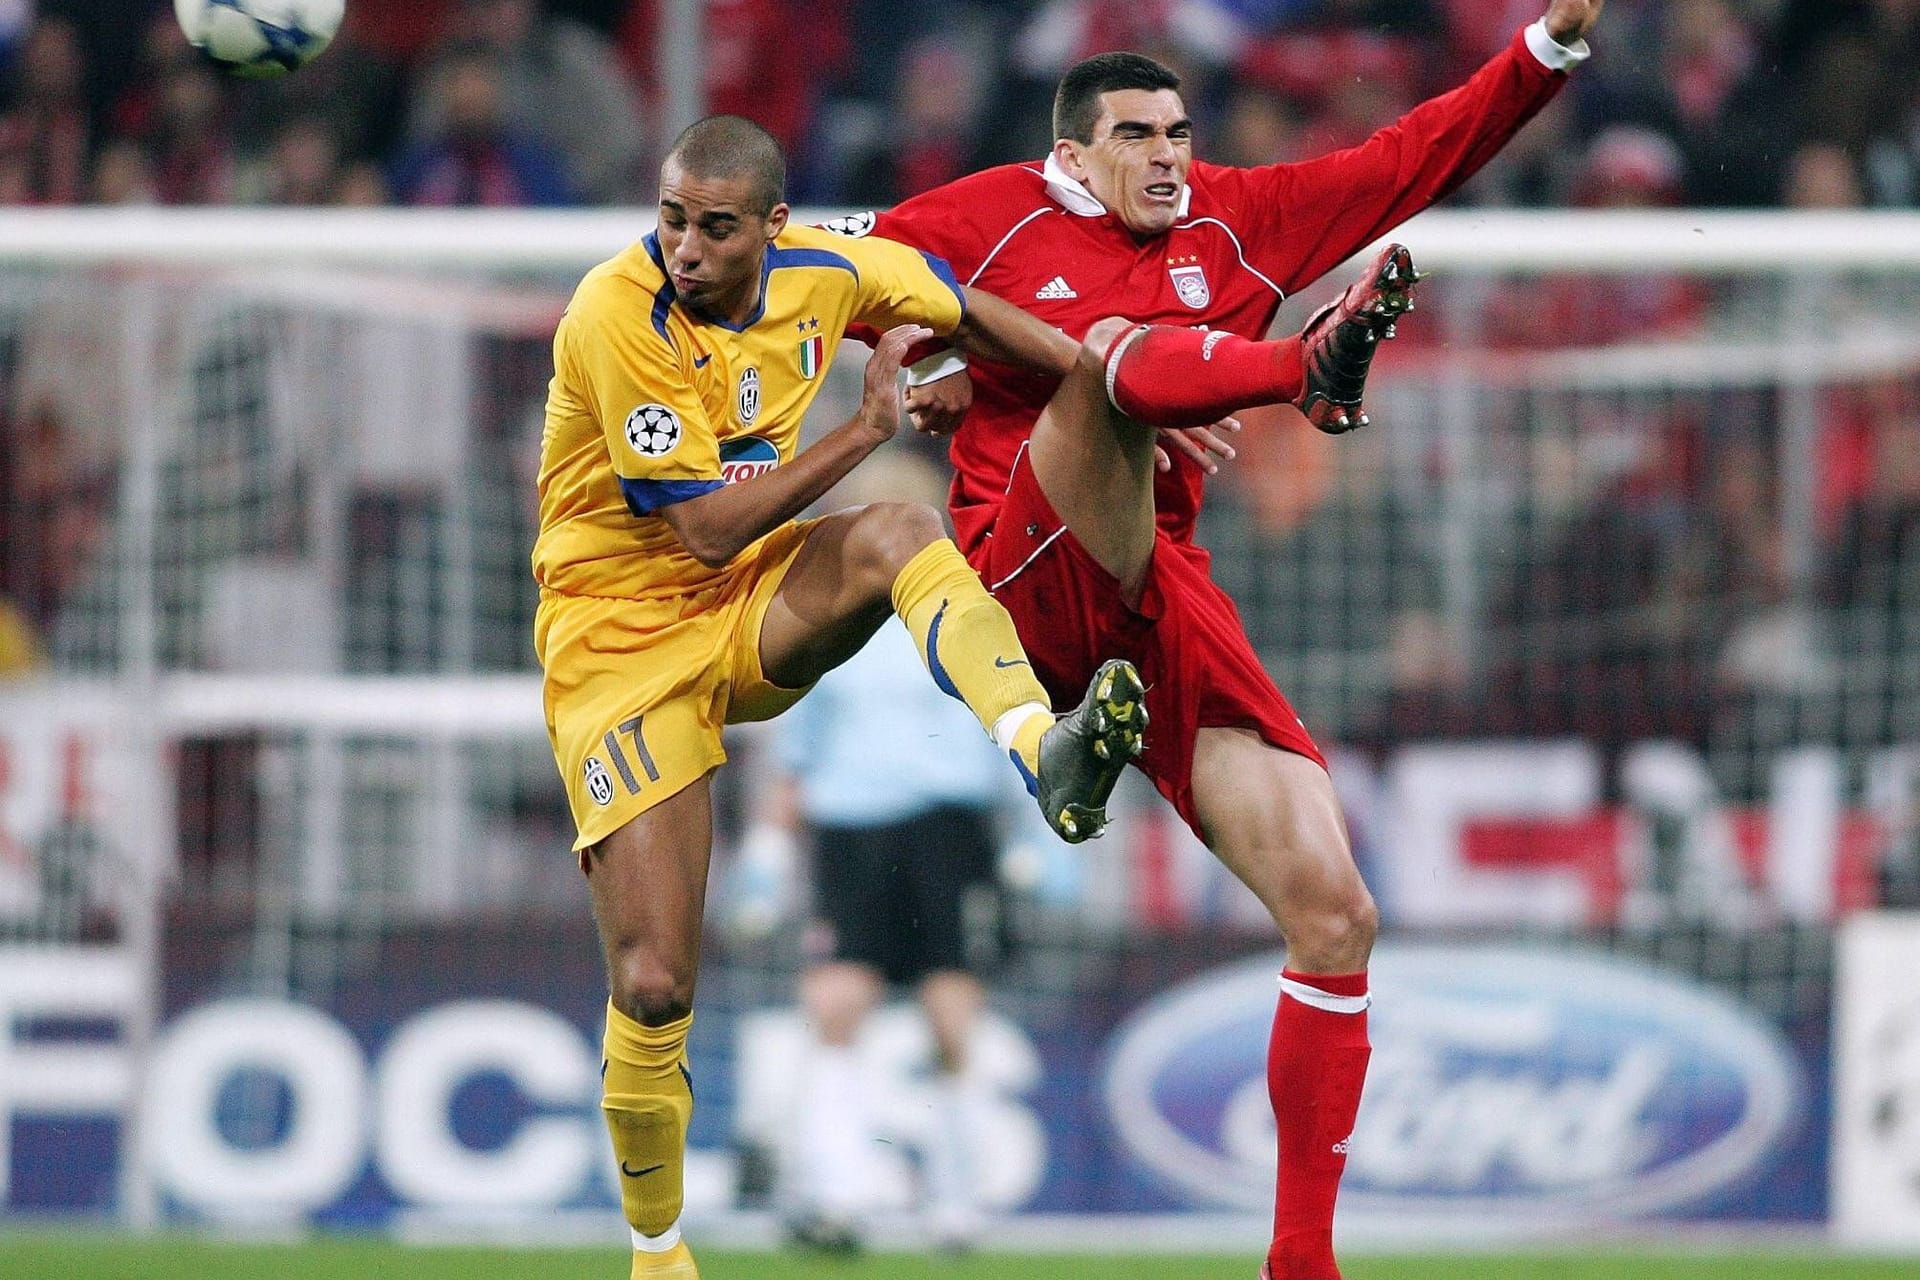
(1340, 1147)
(1056, 288)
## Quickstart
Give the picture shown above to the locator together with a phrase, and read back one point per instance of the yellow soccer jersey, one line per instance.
(651, 404)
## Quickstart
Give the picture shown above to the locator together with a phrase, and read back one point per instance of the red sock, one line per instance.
(1172, 377)
(1316, 1063)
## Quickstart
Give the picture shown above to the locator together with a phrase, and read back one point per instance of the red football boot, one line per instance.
(1341, 338)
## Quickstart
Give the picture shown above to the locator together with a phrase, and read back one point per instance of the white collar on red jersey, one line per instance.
(1075, 198)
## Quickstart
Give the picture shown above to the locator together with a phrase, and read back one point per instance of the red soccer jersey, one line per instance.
(1245, 239)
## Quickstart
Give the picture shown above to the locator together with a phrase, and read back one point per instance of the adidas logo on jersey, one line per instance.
(1055, 288)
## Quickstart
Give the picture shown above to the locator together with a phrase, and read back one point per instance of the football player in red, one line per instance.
(1061, 511)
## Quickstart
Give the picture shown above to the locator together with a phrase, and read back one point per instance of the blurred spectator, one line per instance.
(302, 167)
(1822, 175)
(355, 90)
(133, 109)
(1259, 126)
(175, 109)
(16, 16)
(121, 175)
(1856, 89)
(44, 131)
(190, 147)
(362, 185)
(761, 64)
(928, 135)
(477, 157)
(1707, 88)
(1593, 633)
(52, 509)
(1876, 558)
(561, 88)
(1627, 167)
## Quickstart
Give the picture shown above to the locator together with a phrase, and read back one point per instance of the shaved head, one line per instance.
(727, 147)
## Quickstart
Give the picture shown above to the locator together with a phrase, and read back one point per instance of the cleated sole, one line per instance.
(1114, 727)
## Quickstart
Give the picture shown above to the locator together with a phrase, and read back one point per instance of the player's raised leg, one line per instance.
(1272, 817)
(1096, 466)
(859, 564)
(648, 882)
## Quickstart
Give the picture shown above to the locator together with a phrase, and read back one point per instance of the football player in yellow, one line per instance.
(679, 593)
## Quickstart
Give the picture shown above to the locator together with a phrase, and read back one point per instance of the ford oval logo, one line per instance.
(1530, 1085)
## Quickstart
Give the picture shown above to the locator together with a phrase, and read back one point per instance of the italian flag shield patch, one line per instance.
(813, 352)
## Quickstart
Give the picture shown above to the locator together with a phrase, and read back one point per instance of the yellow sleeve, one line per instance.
(901, 285)
(637, 378)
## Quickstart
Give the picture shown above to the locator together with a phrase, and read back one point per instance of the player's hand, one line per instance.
(880, 401)
(1570, 20)
(936, 408)
(1202, 444)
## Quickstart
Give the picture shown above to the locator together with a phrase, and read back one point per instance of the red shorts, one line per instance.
(1185, 637)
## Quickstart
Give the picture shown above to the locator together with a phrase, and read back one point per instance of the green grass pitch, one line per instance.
(53, 1258)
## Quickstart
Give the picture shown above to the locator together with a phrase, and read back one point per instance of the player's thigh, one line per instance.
(1271, 815)
(632, 700)
(648, 883)
(836, 590)
(1096, 468)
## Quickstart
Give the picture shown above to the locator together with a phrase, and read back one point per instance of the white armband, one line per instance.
(941, 364)
(1553, 55)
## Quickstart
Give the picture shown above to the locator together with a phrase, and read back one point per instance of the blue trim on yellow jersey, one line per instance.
(663, 296)
(644, 497)
(939, 267)
(778, 258)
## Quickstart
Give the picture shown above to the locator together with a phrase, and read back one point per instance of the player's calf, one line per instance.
(1167, 376)
(1084, 752)
(1341, 338)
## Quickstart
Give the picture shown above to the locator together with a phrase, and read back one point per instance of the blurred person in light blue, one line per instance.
(905, 874)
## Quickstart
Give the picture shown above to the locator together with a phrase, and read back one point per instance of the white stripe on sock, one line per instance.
(656, 1244)
(1325, 999)
(1008, 726)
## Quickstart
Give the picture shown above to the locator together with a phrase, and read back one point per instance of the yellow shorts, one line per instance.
(637, 690)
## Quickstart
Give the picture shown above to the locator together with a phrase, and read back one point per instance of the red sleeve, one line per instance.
(962, 220)
(955, 222)
(1309, 217)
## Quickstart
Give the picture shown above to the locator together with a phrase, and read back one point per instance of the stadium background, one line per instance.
(1613, 620)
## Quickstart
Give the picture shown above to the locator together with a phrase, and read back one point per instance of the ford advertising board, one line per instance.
(1516, 1086)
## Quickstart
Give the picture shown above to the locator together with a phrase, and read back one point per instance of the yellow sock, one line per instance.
(647, 1097)
(968, 642)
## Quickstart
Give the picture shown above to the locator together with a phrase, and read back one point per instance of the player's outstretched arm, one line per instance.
(1571, 20)
(995, 329)
(718, 526)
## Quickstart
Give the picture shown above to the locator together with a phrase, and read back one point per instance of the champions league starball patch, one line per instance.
(850, 224)
(653, 430)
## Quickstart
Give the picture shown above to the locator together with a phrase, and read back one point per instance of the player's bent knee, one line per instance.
(1101, 336)
(1092, 360)
(649, 991)
(1333, 933)
(885, 535)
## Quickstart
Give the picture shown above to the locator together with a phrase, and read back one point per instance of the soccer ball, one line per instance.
(259, 38)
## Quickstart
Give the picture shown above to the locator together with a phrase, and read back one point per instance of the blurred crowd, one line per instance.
(554, 102)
